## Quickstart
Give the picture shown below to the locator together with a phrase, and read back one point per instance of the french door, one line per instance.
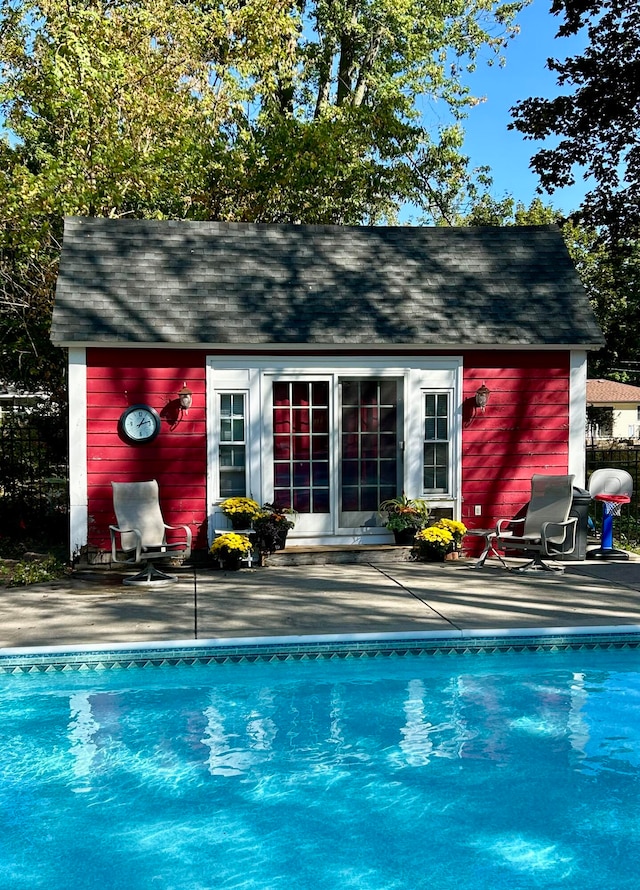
(335, 449)
(333, 443)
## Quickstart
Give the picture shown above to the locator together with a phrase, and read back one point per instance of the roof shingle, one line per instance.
(172, 282)
(610, 392)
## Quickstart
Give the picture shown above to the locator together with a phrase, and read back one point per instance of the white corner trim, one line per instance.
(78, 500)
(578, 416)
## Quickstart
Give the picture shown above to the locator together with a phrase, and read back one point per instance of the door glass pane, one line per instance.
(369, 460)
(232, 446)
(301, 445)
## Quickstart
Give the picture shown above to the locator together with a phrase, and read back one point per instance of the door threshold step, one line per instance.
(344, 555)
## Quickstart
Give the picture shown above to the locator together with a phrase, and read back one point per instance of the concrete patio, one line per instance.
(94, 607)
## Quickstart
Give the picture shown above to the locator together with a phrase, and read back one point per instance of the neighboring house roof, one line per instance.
(170, 282)
(610, 392)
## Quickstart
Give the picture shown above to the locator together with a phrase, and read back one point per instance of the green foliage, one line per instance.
(610, 273)
(32, 570)
(595, 121)
(403, 512)
(595, 127)
(271, 528)
(254, 110)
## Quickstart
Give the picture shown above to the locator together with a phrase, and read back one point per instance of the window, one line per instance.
(233, 448)
(437, 446)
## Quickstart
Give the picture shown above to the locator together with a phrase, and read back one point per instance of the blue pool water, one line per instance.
(504, 771)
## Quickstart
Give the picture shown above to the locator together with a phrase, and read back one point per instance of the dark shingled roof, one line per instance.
(168, 282)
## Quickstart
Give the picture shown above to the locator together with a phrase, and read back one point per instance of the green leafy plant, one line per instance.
(272, 528)
(32, 571)
(403, 512)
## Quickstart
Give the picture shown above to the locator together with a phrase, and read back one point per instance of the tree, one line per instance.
(597, 122)
(597, 118)
(611, 286)
(259, 110)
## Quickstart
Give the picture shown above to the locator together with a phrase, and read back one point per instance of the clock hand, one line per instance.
(142, 422)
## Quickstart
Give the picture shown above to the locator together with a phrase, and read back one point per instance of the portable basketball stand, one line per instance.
(614, 488)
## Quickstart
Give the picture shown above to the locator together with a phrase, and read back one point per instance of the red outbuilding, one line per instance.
(327, 368)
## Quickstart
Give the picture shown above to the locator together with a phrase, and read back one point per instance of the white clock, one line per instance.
(140, 423)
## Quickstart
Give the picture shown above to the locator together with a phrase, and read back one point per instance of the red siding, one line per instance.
(524, 430)
(177, 457)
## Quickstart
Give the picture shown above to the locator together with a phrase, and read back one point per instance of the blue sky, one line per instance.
(488, 141)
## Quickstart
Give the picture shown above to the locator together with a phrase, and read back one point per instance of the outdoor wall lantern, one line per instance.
(185, 397)
(482, 397)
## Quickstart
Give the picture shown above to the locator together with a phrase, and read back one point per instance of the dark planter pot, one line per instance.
(271, 534)
(240, 521)
(404, 537)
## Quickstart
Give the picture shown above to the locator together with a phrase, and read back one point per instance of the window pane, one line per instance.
(300, 394)
(282, 475)
(320, 393)
(320, 500)
(388, 391)
(442, 428)
(301, 420)
(302, 500)
(321, 474)
(232, 484)
(436, 444)
(231, 450)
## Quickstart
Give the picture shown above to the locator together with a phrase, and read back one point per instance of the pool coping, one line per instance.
(227, 650)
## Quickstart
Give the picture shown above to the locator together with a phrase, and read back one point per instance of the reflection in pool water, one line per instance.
(509, 771)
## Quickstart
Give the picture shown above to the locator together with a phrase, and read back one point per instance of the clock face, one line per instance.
(140, 423)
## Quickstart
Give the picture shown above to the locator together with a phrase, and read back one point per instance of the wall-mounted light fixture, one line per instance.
(185, 397)
(482, 397)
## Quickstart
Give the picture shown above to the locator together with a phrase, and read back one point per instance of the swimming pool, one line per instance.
(489, 765)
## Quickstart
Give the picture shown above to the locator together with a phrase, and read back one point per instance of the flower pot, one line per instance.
(404, 537)
(240, 521)
(451, 556)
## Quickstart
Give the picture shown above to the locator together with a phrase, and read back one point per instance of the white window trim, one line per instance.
(250, 374)
(577, 458)
(78, 491)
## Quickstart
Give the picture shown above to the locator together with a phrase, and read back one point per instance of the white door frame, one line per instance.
(254, 375)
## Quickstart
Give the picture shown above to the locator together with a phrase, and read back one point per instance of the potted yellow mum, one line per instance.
(241, 511)
(229, 549)
(432, 544)
(458, 530)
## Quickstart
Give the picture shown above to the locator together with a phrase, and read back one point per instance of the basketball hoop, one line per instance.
(613, 503)
(611, 507)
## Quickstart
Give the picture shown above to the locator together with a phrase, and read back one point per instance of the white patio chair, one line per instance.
(142, 533)
(546, 529)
